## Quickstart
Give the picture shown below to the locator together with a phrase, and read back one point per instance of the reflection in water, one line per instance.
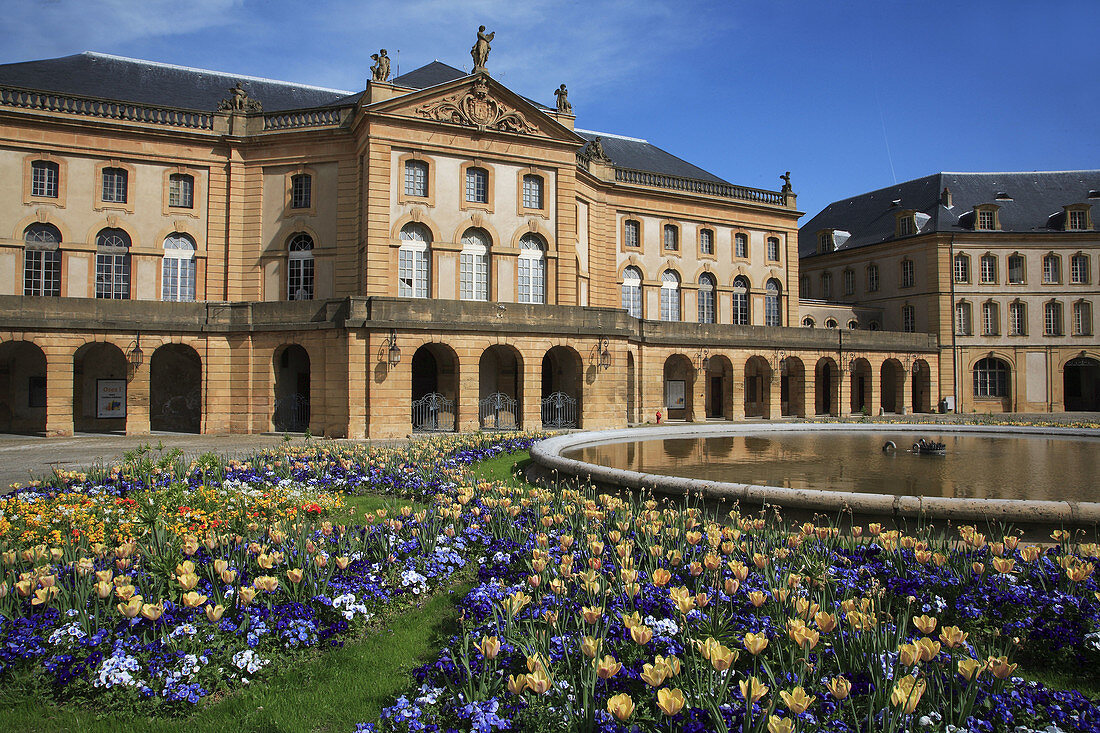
(975, 466)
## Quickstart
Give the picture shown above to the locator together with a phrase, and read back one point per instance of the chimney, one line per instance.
(945, 197)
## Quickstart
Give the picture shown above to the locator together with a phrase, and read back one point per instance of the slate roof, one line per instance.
(429, 75)
(1031, 202)
(165, 85)
(628, 152)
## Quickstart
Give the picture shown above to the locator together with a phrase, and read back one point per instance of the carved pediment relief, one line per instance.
(476, 107)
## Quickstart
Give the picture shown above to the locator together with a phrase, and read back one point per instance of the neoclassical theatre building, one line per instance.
(187, 250)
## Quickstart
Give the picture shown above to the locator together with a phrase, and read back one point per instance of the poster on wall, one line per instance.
(674, 394)
(110, 398)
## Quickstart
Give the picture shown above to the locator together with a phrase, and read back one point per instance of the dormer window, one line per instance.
(1077, 218)
(906, 224)
(985, 218)
(825, 242)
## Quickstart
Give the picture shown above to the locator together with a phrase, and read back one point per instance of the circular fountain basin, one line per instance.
(1019, 475)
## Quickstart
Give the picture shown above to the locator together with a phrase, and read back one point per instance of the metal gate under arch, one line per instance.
(559, 410)
(498, 412)
(433, 413)
(292, 413)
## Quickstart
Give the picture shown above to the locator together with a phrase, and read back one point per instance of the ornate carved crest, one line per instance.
(475, 108)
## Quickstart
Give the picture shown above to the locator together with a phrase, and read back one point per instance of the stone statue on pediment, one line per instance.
(594, 150)
(380, 71)
(563, 100)
(480, 51)
(239, 101)
(787, 182)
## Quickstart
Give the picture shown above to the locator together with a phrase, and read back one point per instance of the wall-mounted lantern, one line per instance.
(135, 356)
(393, 352)
(604, 355)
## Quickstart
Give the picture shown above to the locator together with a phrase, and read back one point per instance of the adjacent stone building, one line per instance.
(1002, 268)
(189, 250)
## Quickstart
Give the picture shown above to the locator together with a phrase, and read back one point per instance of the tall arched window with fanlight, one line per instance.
(670, 296)
(632, 291)
(473, 265)
(707, 286)
(414, 261)
(112, 264)
(42, 260)
(300, 267)
(532, 269)
(773, 315)
(741, 301)
(177, 269)
(991, 377)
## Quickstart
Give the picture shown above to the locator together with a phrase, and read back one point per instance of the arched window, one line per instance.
(672, 238)
(1015, 269)
(632, 291)
(473, 265)
(477, 185)
(773, 249)
(44, 178)
(849, 282)
(706, 242)
(1052, 269)
(853, 325)
(1082, 318)
(741, 301)
(991, 319)
(908, 277)
(988, 265)
(300, 269)
(962, 319)
(1017, 318)
(632, 236)
(991, 378)
(1052, 318)
(532, 192)
(114, 185)
(532, 269)
(414, 261)
(808, 322)
(772, 314)
(177, 269)
(831, 323)
(707, 287)
(670, 296)
(112, 264)
(1079, 269)
(962, 268)
(42, 260)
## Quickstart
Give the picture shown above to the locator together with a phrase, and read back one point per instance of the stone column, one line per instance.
(775, 395)
(904, 393)
(874, 399)
(59, 389)
(844, 401)
(137, 399)
(737, 390)
(699, 396)
(469, 386)
(531, 408)
(809, 393)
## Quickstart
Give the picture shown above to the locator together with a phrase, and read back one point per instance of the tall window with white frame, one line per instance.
(1017, 318)
(301, 191)
(987, 220)
(1079, 269)
(416, 178)
(1082, 318)
(42, 260)
(670, 296)
(112, 264)
(114, 185)
(741, 301)
(1052, 318)
(671, 238)
(773, 314)
(632, 233)
(1016, 270)
(741, 246)
(477, 185)
(988, 269)
(991, 319)
(177, 268)
(299, 282)
(632, 291)
(990, 378)
(908, 277)
(908, 318)
(707, 287)
(962, 319)
(414, 261)
(532, 269)
(872, 278)
(532, 192)
(773, 249)
(181, 191)
(706, 242)
(1077, 219)
(473, 265)
(45, 175)
(849, 282)
(1052, 269)
(962, 268)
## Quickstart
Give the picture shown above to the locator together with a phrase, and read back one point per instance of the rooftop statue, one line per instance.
(239, 101)
(787, 182)
(380, 71)
(480, 51)
(594, 150)
(563, 100)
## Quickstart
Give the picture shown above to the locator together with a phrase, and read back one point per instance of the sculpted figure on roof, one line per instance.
(563, 100)
(380, 71)
(239, 101)
(480, 51)
(595, 151)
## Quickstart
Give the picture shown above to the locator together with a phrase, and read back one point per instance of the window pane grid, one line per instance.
(706, 242)
(1052, 319)
(532, 192)
(300, 279)
(301, 191)
(1079, 269)
(42, 273)
(181, 191)
(477, 186)
(44, 179)
(1082, 318)
(773, 250)
(962, 319)
(908, 319)
(112, 279)
(849, 282)
(114, 185)
(1017, 321)
(989, 269)
(990, 320)
(672, 238)
(706, 300)
(962, 269)
(740, 246)
(1015, 269)
(473, 276)
(740, 303)
(907, 274)
(772, 316)
(872, 278)
(1052, 270)
(416, 178)
(990, 378)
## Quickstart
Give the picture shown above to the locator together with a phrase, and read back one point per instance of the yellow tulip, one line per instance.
(608, 667)
(103, 589)
(952, 636)
(187, 581)
(970, 668)
(266, 583)
(929, 649)
(295, 575)
(825, 621)
(220, 566)
(44, 595)
(130, 608)
(25, 588)
(538, 681)
(1000, 667)
(755, 643)
(757, 597)
(797, 700)
(780, 725)
(104, 576)
(187, 567)
(641, 634)
(489, 646)
(517, 684)
(908, 655)
(653, 675)
(670, 663)
(245, 595)
(805, 637)
(752, 689)
(661, 577)
(592, 614)
(1079, 572)
(228, 576)
(152, 611)
(907, 693)
(342, 563)
(621, 706)
(193, 599)
(670, 701)
(722, 658)
(214, 613)
(839, 687)
(1030, 553)
(590, 647)
(1004, 565)
(926, 624)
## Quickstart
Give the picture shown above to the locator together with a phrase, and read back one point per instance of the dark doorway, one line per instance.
(1081, 385)
(175, 389)
(714, 404)
(22, 388)
(292, 405)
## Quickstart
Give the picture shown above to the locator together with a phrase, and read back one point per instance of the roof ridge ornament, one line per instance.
(239, 101)
(480, 51)
(380, 69)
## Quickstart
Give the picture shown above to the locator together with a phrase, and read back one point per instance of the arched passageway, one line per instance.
(922, 386)
(292, 389)
(175, 389)
(561, 388)
(500, 388)
(22, 388)
(434, 389)
(758, 386)
(679, 388)
(1081, 385)
(891, 384)
(827, 387)
(719, 388)
(861, 386)
(100, 376)
(792, 386)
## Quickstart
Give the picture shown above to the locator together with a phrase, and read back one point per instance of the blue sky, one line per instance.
(849, 96)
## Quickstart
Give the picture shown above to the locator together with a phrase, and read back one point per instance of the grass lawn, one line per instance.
(504, 468)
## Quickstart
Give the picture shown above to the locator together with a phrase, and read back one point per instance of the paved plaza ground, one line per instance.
(23, 457)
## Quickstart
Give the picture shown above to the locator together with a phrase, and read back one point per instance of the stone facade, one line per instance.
(447, 257)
